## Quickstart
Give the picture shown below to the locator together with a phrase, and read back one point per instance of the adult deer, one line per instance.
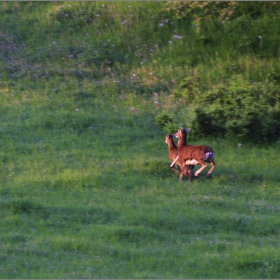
(192, 155)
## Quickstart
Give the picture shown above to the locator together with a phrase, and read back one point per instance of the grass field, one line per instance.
(85, 185)
(100, 201)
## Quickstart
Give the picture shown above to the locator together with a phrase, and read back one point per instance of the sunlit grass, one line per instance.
(97, 197)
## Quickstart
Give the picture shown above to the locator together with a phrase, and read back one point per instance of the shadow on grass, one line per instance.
(88, 215)
(208, 224)
(223, 175)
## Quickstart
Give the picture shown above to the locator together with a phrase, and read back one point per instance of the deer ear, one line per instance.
(188, 130)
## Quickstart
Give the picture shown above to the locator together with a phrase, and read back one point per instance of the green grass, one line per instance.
(85, 185)
(102, 202)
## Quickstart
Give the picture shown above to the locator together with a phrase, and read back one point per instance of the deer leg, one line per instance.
(187, 172)
(209, 173)
(181, 173)
(176, 170)
(181, 176)
(191, 167)
(174, 161)
(203, 166)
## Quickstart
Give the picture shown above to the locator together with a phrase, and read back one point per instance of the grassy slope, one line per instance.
(85, 186)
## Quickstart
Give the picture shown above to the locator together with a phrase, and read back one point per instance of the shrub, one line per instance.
(243, 110)
(165, 121)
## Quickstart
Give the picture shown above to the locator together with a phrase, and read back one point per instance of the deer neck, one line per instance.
(171, 145)
(182, 142)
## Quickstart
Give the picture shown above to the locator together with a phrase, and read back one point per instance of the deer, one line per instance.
(173, 151)
(192, 155)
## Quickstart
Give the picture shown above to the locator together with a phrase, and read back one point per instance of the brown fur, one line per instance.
(190, 152)
(173, 151)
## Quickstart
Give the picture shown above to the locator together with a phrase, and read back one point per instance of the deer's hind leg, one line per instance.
(176, 170)
(203, 166)
(213, 165)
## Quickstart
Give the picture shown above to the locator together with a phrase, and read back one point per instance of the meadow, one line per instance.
(85, 185)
